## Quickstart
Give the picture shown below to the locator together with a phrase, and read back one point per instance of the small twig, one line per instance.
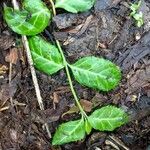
(4, 108)
(34, 78)
(119, 143)
(10, 72)
(33, 73)
(10, 76)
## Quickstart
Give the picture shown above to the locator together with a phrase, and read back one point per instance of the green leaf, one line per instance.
(96, 73)
(107, 118)
(75, 6)
(32, 20)
(69, 132)
(135, 6)
(88, 127)
(46, 56)
(139, 19)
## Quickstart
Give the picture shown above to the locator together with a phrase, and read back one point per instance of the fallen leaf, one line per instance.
(72, 110)
(12, 57)
(87, 105)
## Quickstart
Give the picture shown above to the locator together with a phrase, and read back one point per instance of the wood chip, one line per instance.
(6, 42)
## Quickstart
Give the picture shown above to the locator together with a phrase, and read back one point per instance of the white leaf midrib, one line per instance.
(50, 61)
(72, 130)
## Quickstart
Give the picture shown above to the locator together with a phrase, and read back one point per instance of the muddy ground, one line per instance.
(105, 31)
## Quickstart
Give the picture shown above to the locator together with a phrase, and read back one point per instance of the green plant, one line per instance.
(74, 6)
(90, 71)
(33, 19)
(138, 16)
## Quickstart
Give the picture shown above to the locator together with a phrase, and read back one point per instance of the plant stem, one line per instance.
(53, 7)
(70, 81)
(33, 73)
(67, 69)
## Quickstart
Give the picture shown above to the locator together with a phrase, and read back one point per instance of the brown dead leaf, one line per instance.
(72, 110)
(87, 105)
(12, 57)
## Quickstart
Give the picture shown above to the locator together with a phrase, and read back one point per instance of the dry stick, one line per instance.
(33, 73)
(10, 76)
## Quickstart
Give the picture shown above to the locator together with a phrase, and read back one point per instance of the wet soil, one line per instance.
(105, 31)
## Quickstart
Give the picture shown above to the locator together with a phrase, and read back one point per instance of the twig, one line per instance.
(10, 76)
(34, 78)
(33, 73)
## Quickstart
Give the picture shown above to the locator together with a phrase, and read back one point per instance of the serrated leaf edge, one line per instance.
(56, 143)
(124, 118)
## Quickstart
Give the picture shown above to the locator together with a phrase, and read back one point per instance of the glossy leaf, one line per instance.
(31, 20)
(96, 73)
(75, 6)
(69, 132)
(46, 56)
(107, 118)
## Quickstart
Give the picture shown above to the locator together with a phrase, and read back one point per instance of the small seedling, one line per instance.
(138, 16)
(93, 72)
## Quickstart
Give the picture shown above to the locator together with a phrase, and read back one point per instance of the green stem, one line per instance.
(53, 7)
(70, 81)
(67, 69)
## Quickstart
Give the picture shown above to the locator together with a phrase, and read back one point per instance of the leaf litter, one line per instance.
(137, 74)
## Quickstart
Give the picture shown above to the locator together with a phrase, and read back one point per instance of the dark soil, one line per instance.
(105, 31)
